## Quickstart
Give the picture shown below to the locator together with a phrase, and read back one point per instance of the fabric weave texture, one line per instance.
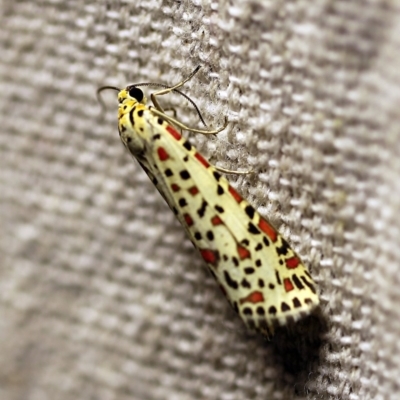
(101, 294)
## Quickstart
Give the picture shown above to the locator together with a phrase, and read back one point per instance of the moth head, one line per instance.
(132, 94)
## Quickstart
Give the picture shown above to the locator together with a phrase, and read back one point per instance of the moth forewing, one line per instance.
(262, 277)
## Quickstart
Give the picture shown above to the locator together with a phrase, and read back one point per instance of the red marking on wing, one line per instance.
(162, 154)
(188, 219)
(193, 190)
(267, 229)
(292, 263)
(216, 220)
(254, 297)
(175, 187)
(202, 160)
(243, 252)
(209, 256)
(288, 285)
(235, 194)
(173, 132)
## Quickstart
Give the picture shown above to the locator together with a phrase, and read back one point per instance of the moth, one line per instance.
(262, 277)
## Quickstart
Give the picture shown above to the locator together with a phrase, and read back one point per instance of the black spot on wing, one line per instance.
(245, 283)
(296, 302)
(249, 210)
(308, 274)
(260, 310)
(182, 202)
(219, 209)
(278, 279)
(184, 174)
(247, 311)
(201, 211)
(282, 250)
(230, 282)
(272, 310)
(312, 288)
(252, 229)
(297, 282)
(217, 176)
(258, 247)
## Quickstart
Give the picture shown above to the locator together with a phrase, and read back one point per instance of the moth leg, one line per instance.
(172, 110)
(174, 113)
(158, 110)
(186, 128)
(229, 171)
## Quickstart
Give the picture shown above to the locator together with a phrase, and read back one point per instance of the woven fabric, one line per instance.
(102, 295)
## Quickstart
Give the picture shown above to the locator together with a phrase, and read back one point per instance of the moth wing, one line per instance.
(262, 277)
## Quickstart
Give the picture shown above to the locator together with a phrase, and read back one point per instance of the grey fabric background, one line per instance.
(102, 295)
